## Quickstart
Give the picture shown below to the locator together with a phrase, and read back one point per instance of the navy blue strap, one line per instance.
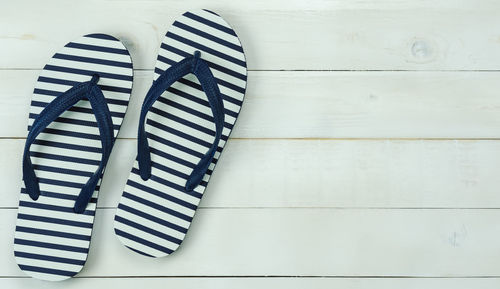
(51, 112)
(193, 64)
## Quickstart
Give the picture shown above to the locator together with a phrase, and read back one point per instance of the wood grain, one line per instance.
(311, 35)
(366, 154)
(323, 104)
(303, 242)
(319, 173)
(257, 282)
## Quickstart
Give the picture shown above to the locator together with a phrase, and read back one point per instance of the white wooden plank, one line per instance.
(351, 192)
(324, 104)
(252, 283)
(320, 173)
(303, 242)
(319, 34)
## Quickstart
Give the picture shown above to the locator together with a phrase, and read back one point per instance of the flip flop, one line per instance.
(185, 121)
(77, 108)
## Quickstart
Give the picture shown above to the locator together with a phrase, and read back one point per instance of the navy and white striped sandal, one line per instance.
(77, 108)
(185, 121)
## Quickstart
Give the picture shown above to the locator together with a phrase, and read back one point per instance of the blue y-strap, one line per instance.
(193, 64)
(51, 112)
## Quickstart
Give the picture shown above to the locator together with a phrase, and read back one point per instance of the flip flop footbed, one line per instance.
(51, 241)
(153, 216)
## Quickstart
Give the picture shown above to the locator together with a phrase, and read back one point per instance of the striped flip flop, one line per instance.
(192, 106)
(76, 111)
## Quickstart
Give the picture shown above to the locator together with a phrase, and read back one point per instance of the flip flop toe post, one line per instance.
(186, 118)
(77, 108)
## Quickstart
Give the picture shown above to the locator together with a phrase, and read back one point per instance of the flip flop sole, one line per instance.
(51, 241)
(153, 216)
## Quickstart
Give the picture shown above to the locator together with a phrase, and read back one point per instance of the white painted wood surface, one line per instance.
(284, 104)
(321, 173)
(365, 156)
(276, 34)
(303, 242)
(257, 282)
